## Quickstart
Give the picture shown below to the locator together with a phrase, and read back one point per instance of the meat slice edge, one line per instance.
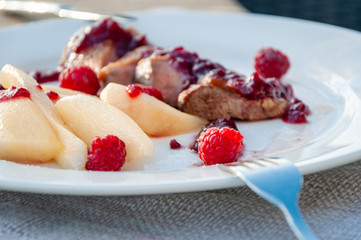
(212, 102)
(122, 71)
(158, 72)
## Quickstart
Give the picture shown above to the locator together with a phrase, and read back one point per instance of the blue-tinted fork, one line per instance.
(278, 181)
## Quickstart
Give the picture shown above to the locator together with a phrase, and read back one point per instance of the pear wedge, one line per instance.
(90, 117)
(155, 117)
(61, 91)
(25, 134)
(73, 154)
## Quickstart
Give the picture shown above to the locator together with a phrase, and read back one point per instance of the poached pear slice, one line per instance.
(155, 117)
(25, 134)
(61, 91)
(90, 117)
(73, 154)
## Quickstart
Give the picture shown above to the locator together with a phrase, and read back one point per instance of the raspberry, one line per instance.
(220, 145)
(80, 78)
(218, 123)
(106, 154)
(135, 89)
(270, 63)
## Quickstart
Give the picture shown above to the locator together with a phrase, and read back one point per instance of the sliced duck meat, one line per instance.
(193, 84)
(207, 89)
(157, 71)
(100, 43)
(227, 94)
(211, 102)
(122, 71)
(94, 57)
(171, 71)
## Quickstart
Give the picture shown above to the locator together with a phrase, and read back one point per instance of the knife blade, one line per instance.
(57, 9)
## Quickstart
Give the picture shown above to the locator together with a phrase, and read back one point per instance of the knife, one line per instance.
(57, 9)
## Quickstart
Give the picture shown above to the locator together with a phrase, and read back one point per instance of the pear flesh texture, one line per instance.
(155, 117)
(73, 154)
(62, 92)
(90, 117)
(25, 134)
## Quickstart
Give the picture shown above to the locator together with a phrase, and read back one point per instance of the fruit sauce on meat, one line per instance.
(192, 66)
(254, 87)
(13, 93)
(218, 123)
(187, 63)
(108, 29)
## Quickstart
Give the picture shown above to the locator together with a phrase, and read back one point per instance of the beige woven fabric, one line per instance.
(330, 201)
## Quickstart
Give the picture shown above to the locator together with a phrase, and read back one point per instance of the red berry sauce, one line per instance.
(14, 93)
(108, 29)
(53, 96)
(188, 63)
(297, 112)
(174, 144)
(44, 76)
(134, 90)
(254, 87)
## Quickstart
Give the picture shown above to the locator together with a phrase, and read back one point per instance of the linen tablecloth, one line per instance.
(330, 200)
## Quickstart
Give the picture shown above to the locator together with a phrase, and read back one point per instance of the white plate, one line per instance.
(325, 73)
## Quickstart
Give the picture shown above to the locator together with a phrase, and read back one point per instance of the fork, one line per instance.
(278, 181)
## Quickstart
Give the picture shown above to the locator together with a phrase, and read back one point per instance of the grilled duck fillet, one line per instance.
(212, 102)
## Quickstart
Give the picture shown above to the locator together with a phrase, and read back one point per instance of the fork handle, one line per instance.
(297, 223)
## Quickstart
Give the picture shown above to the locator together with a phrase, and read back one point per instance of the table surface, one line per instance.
(330, 200)
(113, 7)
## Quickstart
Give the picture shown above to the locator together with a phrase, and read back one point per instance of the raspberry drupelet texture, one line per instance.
(106, 154)
(80, 78)
(270, 62)
(220, 145)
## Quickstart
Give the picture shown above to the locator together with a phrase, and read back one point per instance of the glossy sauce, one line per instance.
(13, 93)
(44, 76)
(134, 90)
(107, 29)
(53, 96)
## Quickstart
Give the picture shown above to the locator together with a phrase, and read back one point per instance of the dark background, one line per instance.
(344, 13)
